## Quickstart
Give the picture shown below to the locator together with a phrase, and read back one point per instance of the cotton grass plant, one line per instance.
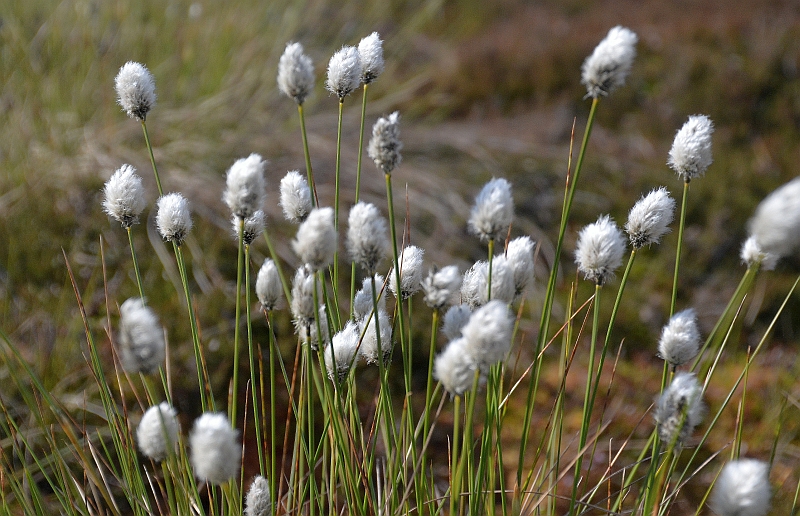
(368, 391)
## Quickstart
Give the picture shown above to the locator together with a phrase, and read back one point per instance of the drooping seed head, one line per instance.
(173, 218)
(487, 334)
(600, 249)
(251, 226)
(493, 210)
(367, 236)
(246, 190)
(679, 409)
(295, 73)
(316, 239)
(362, 301)
(650, 217)
(410, 261)
(680, 338)
(258, 501)
(268, 286)
(440, 285)
(690, 154)
(742, 489)
(776, 223)
(157, 433)
(340, 355)
(295, 197)
(385, 145)
(475, 285)
(753, 255)
(455, 319)
(124, 196)
(314, 336)
(344, 72)
(303, 306)
(453, 368)
(216, 453)
(136, 90)
(141, 337)
(520, 259)
(370, 50)
(369, 343)
(610, 63)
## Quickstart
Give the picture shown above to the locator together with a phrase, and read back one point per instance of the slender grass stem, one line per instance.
(256, 395)
(206, 396)
(135, 264)
(587, 408)
(272, 254)
(489, 278)
(336, 188)
(152, 159)
(309, 172)
(395, 260)
(679, 247)
(455, 491)
(272, 414)
(232, 409)
(547, 307)
(361, 140)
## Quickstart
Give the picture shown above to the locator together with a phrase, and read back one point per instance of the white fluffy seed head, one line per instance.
(303, 306)
(493, 210)
(680, 338)
(454, 369)
(520, 259)
(488, 334)
(295, 197)
(309, 334)
(454, 320)
(367, 236)
(690, 154)
(679, 409)
(610, 63)
(369, 343)
(753, 255)
(216, 454)
(475, 285)
(124, 196)
(650, 217)
(344, 72)
(141, 337)
(251, 226)
(316, 239)
(268, 286)
(742, 489)
(258, 501)
(173, 219)
(341, 353)
(600, 249)
(157, 433)
(370, 50)
(410, 261)
(440, 285)
(776, 222)
(136, 90)
(295, 73)
(385, 145)
(362, 301)
(246, 190)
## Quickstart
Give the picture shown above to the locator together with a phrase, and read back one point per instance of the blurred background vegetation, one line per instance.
(485, 89)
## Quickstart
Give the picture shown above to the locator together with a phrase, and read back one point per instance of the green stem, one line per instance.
(272, 414)
(396, 261)
(454, 490)
(361, 141)
(202, 375)
(235, 389)
(336, 190)
(309, 172)
(587, 408)
(544, 323)
(680, 246)
(272, 254)
(152, 159)
(252, 353)
(135, 264)
(489, 279)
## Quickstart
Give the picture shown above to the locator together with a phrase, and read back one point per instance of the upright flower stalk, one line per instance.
(689, 157)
